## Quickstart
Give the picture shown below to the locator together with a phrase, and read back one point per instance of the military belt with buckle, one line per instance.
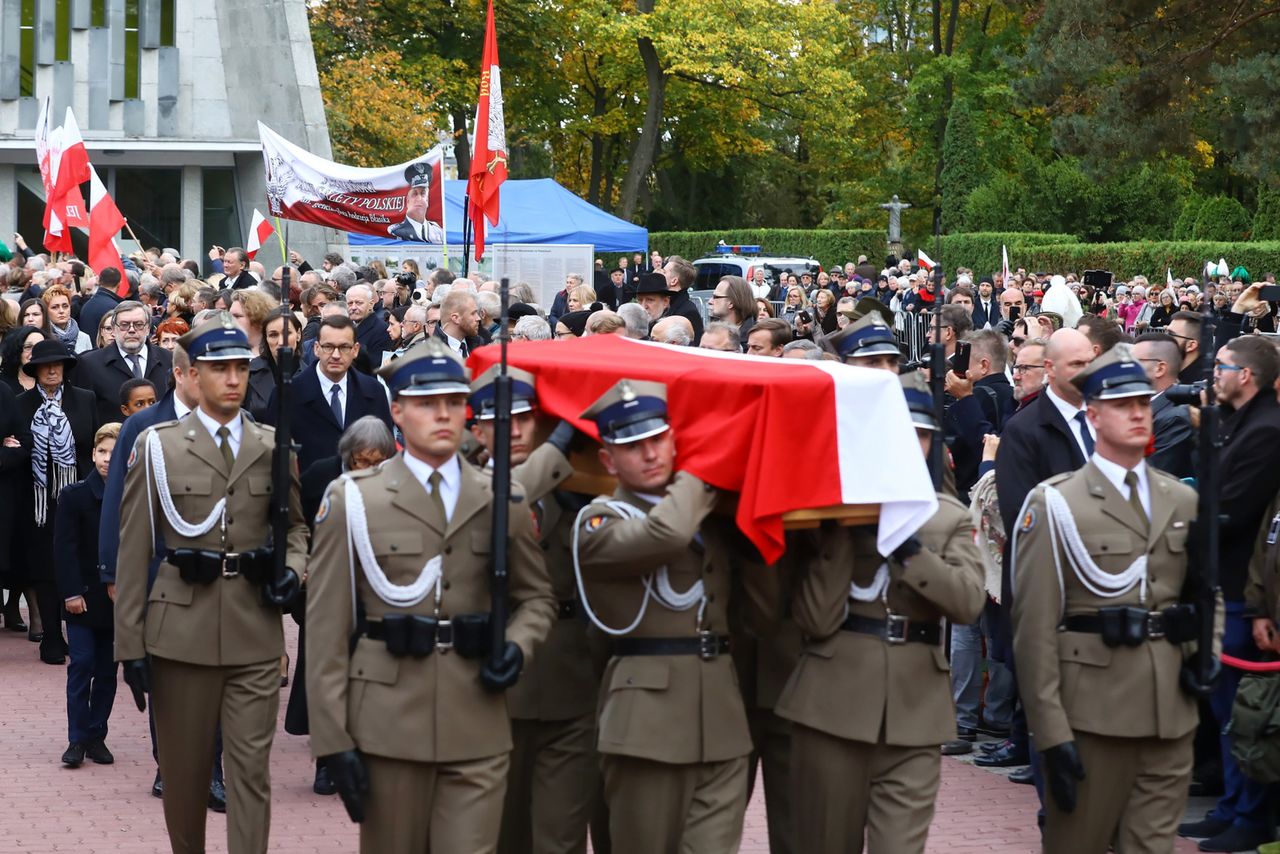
(200, 566)
(419, 636)
(894, 629)
(1131, 626)
(706, 645)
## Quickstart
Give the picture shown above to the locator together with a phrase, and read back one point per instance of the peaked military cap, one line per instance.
(919, 401)
(1115, 374)
(418, 174)
(630, 411)
(427, 368)
(484, 393)
(653, 283)
(868, 336)
(216, 340)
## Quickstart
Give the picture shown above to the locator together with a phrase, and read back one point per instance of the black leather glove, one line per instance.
(910, 548)
(1189, 677)
(502, 675)
(137, 675)
(1062, 770)
(347, 771)
(1005, 328)
(562, 437)
(282, 591)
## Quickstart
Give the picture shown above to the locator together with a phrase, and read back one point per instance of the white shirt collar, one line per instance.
(180, 409)
(141, 354)
(450, 478)
(326, 384)
(1115, 473)
(235, 427)
(1067, 411)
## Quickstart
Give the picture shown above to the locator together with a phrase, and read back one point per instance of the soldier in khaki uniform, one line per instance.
(555, 772)
(871, 696)
(407, 709)
(656, 575)
(1099, 563)
(207, 637)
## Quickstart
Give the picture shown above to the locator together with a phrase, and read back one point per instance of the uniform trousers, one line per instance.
(771, 736)
(421, 807)
(1134, 790)
(694, 808)
(551, 788)
(91, 682)
(843, 791)
(190, 699)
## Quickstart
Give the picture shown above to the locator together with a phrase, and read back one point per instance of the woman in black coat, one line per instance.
(58, 421)
(91, 677)
(262, 370)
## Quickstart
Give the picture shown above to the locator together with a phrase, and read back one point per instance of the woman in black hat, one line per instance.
(58, 421)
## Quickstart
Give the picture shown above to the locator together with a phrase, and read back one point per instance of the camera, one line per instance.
(1186, 394)
(803, 316)
(406, 278)
(419, 296)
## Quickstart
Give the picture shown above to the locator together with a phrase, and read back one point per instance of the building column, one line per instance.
(192, 229)
(9, 203)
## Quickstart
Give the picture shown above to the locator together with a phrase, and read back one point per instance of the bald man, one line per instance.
(675, 330)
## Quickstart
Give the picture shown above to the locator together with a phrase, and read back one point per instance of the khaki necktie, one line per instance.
(224, 445)
(437, 499)
(1135, 499)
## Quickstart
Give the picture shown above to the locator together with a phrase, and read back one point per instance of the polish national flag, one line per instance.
(105, 222)
(728, 411)
(260, 232)
(924, 260)
(489, 151)
(73, 162)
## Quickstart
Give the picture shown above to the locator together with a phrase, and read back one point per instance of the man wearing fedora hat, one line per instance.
(415, 225)
(205, 637)
(58, 423)
(406, 696)
(1099, 574)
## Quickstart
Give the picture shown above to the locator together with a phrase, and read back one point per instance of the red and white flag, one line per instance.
(924, 260)
(729, 412)
(105, 222)
(1004, 266)
(260, 232)
(68, 168)
(489, 151)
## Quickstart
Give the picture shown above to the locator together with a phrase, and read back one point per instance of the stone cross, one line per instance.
(895, 209)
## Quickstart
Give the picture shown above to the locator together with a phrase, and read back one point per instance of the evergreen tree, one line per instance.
(1266, 222)
(962, 165)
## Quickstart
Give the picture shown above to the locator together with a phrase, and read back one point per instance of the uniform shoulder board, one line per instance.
(363, 473)
(163, 425)
(951, 502)
(1059, 478)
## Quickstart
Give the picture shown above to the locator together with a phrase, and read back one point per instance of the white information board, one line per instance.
(543, 265)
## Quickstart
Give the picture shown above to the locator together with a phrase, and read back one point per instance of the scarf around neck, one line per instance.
(68, 336)
(52, 445)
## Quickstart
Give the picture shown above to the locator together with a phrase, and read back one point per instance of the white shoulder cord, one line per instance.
(1098, 581)
(156, 467)
(662, 590)
(401, 595)
(874, 590)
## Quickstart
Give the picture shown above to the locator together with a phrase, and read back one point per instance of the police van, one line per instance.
(744, 261)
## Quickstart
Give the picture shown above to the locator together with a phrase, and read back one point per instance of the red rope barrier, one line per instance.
(1251, 666)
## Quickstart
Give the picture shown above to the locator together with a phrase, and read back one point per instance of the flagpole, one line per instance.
(129, 229)
(466, 231)
(444, 207)
(284, 255)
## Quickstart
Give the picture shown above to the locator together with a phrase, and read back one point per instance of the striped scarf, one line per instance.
(51, 442)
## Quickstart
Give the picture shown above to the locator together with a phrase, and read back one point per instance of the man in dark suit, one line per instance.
(986, 311)
(235, 270)
(983, 402)
(371, 330)
(415, 225)
(329, 397)
(1049, 436)
(1161, 357)
(1244, 380)
(680, 275)
(459, 325)
(131, 357)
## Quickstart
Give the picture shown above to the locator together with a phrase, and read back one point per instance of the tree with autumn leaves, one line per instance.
(688, 114)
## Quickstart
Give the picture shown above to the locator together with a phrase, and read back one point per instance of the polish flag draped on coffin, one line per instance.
(785, 434)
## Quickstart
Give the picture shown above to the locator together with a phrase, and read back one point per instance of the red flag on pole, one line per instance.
(489, 152)
(68, 169)
(260, 232)
(105, 222)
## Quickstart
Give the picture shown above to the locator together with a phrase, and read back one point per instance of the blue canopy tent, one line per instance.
(534, 211)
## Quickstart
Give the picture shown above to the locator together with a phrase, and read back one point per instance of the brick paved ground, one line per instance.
(109, 809)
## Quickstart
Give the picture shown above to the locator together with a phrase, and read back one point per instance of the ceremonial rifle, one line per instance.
(1209, 512)
(281, 460)
(937, 387)
(501, 490)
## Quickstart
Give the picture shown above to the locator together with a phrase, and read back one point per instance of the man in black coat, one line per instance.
(680, 275)
(104, 371)
(983, 402)
(459, 325)
(328, 397)
(1049, 436)
(91, 676)
(1175, 437)
(1244, 381)
(371, 330)
(103, 301)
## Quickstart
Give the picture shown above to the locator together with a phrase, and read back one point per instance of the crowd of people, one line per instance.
(1038, 366)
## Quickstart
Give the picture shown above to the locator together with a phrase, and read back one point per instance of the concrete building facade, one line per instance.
(167, 94)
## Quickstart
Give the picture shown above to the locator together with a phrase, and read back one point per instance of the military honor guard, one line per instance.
(1099, 571)
(655, 573)
(407, 708)
(868, 342)
(871, 697)
(206, 638)
(555, 774)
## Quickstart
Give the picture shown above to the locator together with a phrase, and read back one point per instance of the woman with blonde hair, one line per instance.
(581, 298)
(250, 309)
(182, 302)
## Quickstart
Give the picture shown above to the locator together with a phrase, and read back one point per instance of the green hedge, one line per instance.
(826, 245)
(980, 250)
(1222, 218)
(1184, 257)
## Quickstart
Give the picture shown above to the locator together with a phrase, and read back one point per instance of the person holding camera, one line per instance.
(1175, 435)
